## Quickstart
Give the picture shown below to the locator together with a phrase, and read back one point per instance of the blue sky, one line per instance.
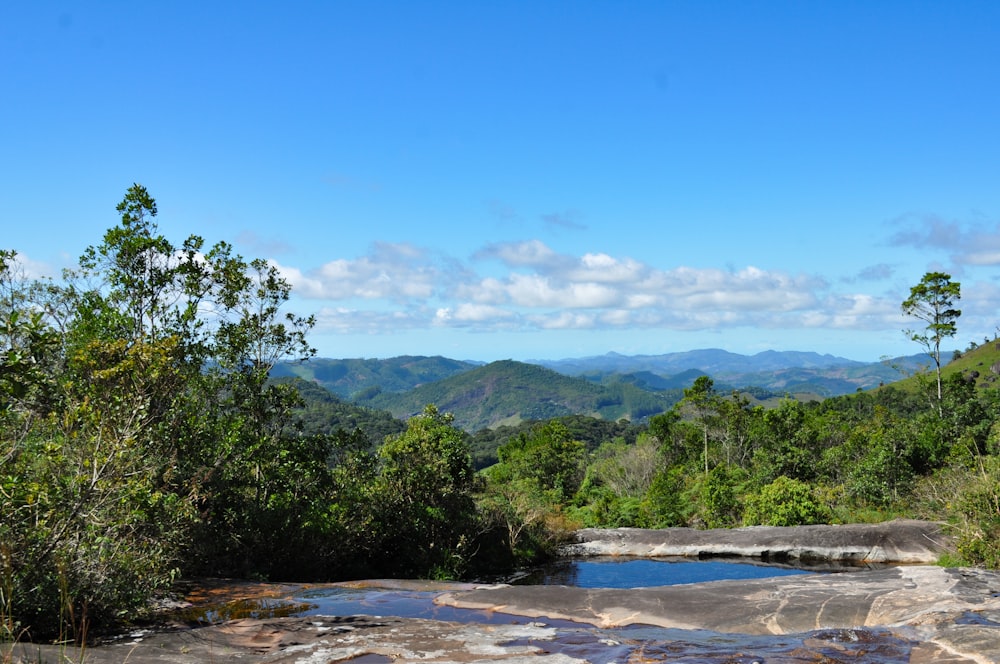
(528, 180)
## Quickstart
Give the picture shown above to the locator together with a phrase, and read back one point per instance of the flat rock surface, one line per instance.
(899, 541)
(913, 614)
(955, 609)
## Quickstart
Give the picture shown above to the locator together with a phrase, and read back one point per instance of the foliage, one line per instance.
(92, 521)
(978, 510)
(618, 477)
(537, 474)
(549, 456)
(424, 495)
(627, 470)
(784, 445)
(703, 402)
(135, 415)
(664, 504)
(591, 431)
(878, 458)
(720, 497)
(784, 502)
(323, 413)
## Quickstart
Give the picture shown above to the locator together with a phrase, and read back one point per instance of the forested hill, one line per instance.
(323, 412)
(507, 392)
(349, 378)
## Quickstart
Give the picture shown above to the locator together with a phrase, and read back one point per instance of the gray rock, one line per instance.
(950, 610)
(900, 541)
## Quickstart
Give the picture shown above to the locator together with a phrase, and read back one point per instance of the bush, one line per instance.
(720, 496)
(664, 505)
(80, 550)
(978, 508)
(784, 502)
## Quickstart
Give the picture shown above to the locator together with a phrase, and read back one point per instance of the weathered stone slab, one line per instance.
(359, 640)
(317, 640)
(900, 541)
(927, 602)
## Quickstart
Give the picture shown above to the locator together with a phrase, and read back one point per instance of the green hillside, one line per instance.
(509, 392)
(325, 413)
(978, 362)
(357, 376)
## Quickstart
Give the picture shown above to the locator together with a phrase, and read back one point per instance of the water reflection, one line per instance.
(641, 572)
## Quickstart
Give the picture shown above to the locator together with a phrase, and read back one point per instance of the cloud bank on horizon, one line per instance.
(397, 288)
(525, 181)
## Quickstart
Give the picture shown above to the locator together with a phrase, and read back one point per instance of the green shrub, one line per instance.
(720, 496)
(978, 508)
(784, 502)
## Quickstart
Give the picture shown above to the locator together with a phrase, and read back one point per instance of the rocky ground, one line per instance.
(913, 613)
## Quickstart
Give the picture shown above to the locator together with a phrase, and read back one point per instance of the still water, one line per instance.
(638, 573)
(407, 599)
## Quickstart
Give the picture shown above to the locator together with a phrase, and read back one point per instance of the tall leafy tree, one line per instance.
(933, 302)
(549, 456)
(703, 400)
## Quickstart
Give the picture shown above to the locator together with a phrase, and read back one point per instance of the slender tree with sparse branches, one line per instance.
(933, 302)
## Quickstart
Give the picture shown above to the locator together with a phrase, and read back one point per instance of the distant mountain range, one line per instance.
(611, 386)
(721, 363)
(784, 372)
(712, 361)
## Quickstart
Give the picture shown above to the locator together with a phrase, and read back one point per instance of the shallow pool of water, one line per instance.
(409, 600)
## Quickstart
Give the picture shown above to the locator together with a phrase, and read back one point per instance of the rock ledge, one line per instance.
(899, 541)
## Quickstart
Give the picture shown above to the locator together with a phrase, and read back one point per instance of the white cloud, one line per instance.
(395, 272)
(856, 312)
(401, 287)
(532, 253)
(475, 313)
(21, 267)
(605, 269)
(541, 291)
(565, 320)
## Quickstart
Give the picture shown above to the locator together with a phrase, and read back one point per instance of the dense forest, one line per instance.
(142, 439)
